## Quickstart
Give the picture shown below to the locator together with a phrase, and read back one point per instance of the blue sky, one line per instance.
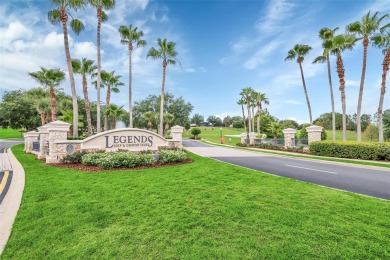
(223, 46)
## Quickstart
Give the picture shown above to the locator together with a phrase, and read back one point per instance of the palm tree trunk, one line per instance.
(130, 87)
(86, 105)
(42, 115)
(386, 63)
(64, 18)
(253, 119)
(243, 117)
(99, 16)
(305, 90)
(249, 117)
(113, 126)
(331, 99)
(340, 72)
(108, 96)
(359, 107)
(160, 128)
(53, 104)
(258, 119)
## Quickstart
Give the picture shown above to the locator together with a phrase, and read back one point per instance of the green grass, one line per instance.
(213, 134)
(203, 210)
(7, 133)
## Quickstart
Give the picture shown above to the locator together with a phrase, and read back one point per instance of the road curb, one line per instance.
(11, 203)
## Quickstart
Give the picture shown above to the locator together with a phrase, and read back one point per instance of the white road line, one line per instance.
(316, 170)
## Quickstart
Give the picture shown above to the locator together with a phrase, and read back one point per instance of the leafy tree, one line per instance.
(168, 54)
(238, 124)
(386, 124)
(303, 131)
(326, 34)
(227, 121)
(299, 52)
(382, 41)
(197, 119)
(365, 28)
(326, 120)
(196, 131)
(187, 126)
(111, 81)
(371, 132)
(365, 121)
(100, 6)
(49, 78)
(131, 36)
(60, 15)
(216, 121)
(288, 123)
(85, 67)
(337, 45)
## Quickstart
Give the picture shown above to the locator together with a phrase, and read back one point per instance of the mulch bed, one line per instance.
(89, 168)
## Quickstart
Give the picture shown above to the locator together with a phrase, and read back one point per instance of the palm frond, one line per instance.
(77, 26)
(54, 17)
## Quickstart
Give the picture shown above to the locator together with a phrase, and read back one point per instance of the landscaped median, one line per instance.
(205, 209)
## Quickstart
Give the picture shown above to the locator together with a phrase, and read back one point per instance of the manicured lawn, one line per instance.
(6, 133)
(203, 210)
(213, 134)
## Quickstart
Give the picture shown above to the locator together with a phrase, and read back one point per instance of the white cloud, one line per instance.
(261, 55)
(85, 50)
(54, 40)
(274, 19)
(352, 83)
(15, 31)
(293, 102)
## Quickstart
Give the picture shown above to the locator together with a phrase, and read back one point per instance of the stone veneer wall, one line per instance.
(289, 135)
(314, 133)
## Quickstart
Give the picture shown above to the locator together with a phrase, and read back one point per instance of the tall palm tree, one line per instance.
(337, 45)
(166, 51)
(168, 119)
(67, 116)
(298, 52)
(114, 112)
(60, 16)
(253, 105)
(365, 28)
(150, 116)
(242, 102)
(50, 79)
(85, 67)
(260, 98)
(382, 41)
(326, 34)
(246, 93)
(111, 81)
(275, 129)
(100, 6)
(131, 36)
(43, 109)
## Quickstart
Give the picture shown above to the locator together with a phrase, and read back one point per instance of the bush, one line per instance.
(81, 137)
(187, 126)
(351, 150)
(303, 133)
(170, 156)
(73, 158)
(196, 131)
(118, 159)
(324, 135)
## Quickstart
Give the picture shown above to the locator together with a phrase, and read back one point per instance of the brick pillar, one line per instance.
(29, 138)
(177, 135)
(43, 141)
(289, 134)
(58, 131)
(314, 133)
(243, 138)
(252, 137)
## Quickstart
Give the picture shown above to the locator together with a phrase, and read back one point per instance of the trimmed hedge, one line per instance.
(171, 156)
(351, 150)
(118, 160)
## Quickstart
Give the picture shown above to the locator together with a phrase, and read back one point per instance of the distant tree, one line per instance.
(386, 124)
(227, 121)
(238, 124)
(197, 119)
(365, 121)
(288, 123)
(187, 126)
(371, 132)
(216, 121)
(303, 131)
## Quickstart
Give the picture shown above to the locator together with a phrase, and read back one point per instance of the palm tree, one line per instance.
(242, 102)
(60, 15)
(253, 105)
(100, 6)
(275, 129)
(382, 41)
(246, 93)
(260, 98)
(337, 45)
(85, 67)
(326, 34)
(113, 111)
(298, 52)
(111, 81)
(43, 109)
(129, 36)
(67, 116)
(365, 28)
(50, 78)
(168, 54)
(168, 119)
(150, 116)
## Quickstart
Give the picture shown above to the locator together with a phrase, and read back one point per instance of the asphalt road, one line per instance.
(371, 181)
(8, 143)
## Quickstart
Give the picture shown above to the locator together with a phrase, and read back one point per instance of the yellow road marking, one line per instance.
(4, 181)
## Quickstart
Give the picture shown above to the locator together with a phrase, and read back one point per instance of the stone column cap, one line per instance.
(58, 126)
(43, 129)
(177, 128)
(289, 131)
(31, 134)
(243, 134)
(252, 134)
(314, 128)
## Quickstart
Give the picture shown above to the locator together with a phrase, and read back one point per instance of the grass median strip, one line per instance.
(206, 209)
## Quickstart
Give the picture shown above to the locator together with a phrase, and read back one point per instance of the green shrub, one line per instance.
(351, 150)
(170, 156)
(81, 137)
(73, 158)
(118, 159)
(196, 131)
(324, 135)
